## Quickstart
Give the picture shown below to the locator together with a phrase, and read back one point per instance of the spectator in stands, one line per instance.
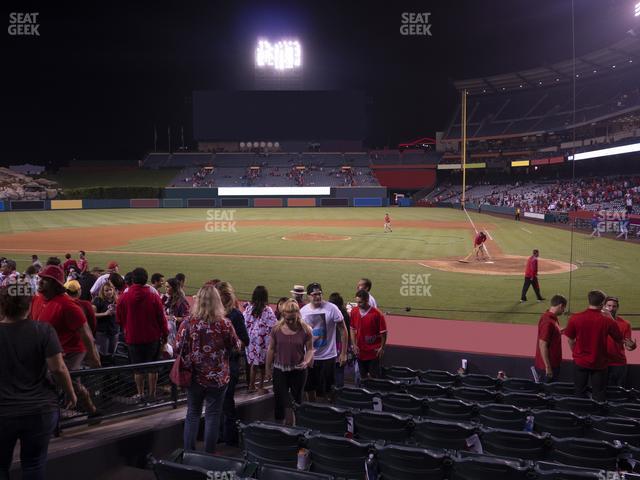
(112, 267)
(298, 294)
(368, 335)
(182, 279)
(53, 261)
(175, 305)
(595, 224)
(259, 319)
(83, 264)
(548, 345)
(157, 281)
(118, 282)
(290, 354)
(141, 315)
(74, 290)
(31, 275)
(7, 271)
(36, 263)
(69, 264)
(365, 284)
(531, 277)
(28, 400)
(617, 371)
(210, 339)
(87, 280)
(338, 301)
(280, 306)
(587, 333)
(326, 322)
(230, 416)
(107, 329)
(128, 280)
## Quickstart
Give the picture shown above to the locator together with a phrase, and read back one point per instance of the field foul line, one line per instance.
(528, 231)
(228, 255)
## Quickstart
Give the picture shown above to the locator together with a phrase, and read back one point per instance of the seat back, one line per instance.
(431, 390)
(511, 443)
(349, 397)
(263, 443)
(631, 410)
(383, 385)
(402, 403)
(625, 430)
(165, 470)
(478, 381)
(522, 385)
(619, 394)
(486, 468)
(442, 434)
(451, 409)
(583, 452)
(525, 400)
(554, 471)
(397, 462)
(559, 388)
(214, 462)
(581, 406)
(322, 418)
(472, 394)
(497, 415)
(400, 373)
(274, 472)
(389, 427)
(440, 377)
(337, 456)
(558, 423)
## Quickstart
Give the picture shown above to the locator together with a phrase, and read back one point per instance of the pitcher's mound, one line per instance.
(316, 237)
(500, 265)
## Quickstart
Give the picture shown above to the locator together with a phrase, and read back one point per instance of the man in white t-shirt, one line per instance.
(365, 284)
(323, 318)
(102, 279)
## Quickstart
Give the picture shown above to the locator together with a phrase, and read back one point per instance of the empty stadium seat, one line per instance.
(522, 385)
(442, 434)
(554, 471)
(511, 443)
(502, 416)
(396, 462)
(440, 377)
(584, 452)
(525, 400)
(322, 417)
(404, 374)
(433, 390)
(369, 425)
(165, 470)
(615, 428)
(264, 443)
(558, 423)
(403, 403)
(584, 406)
(273, 472)
(559, 388)
(478, 381)
(631, 410)
(620, 394)
(485, 468)
(478, 395)
(197, 465)
(338, 456)
(354, 398)
(451, 409)
(383, 385)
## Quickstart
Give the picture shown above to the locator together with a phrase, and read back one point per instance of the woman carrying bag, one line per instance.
(204, 343)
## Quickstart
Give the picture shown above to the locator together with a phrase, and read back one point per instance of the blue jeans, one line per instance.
(213, 399)
(34, 432)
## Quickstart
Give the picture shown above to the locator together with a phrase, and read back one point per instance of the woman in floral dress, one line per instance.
(260, 319)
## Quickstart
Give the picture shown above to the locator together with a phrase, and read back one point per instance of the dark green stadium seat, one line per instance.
(431, 433)
(322, 418)
(399, 462)
(369, 425)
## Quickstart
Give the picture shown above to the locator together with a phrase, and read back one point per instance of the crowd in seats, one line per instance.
(17, 186)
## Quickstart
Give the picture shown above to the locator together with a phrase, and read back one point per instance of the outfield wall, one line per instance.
(211, 198)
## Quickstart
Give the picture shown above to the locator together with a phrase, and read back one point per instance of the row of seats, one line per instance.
(465, 405)
(407, 376)
(341, 457)
(438, 433)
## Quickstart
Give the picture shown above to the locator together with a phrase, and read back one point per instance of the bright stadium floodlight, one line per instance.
(605, 152)
(282, 55)
(637, 14)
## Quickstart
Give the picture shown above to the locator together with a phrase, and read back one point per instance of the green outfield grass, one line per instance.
(606, 264)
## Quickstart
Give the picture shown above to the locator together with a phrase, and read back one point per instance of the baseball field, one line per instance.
(414, 269)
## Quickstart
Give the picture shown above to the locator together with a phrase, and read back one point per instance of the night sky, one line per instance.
(102, 74)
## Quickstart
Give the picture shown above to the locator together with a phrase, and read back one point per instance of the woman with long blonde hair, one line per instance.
(210, 339)
(290, 353)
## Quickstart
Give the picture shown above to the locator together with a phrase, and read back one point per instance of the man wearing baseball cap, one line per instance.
(112, 267)
(324, 318)
(298, 294)
(74, 290)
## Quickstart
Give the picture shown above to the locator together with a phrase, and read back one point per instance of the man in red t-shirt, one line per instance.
(587, 332)
(74, 290)
(83, 264)
(531, 277)
(617, 371)
(368, 335)
(478, 247)
(549, 346)
(387, 223)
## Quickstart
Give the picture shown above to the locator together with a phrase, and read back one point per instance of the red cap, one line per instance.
(112, 265)
(54, 272)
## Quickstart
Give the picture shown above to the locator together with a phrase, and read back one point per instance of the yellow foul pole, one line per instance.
(464, 146)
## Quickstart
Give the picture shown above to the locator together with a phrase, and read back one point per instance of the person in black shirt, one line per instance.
(107, 330)
(338, 301)
(228, 297)
(28, 402)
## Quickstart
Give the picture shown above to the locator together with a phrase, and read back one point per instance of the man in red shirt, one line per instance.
(83, 264)
(549, 346)
(74, 290)
(140, 313)
(617, 371)
(587, 332)
(69, 264)
(387, 223)
(478, 246)
(531, 277)
(368, 335)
